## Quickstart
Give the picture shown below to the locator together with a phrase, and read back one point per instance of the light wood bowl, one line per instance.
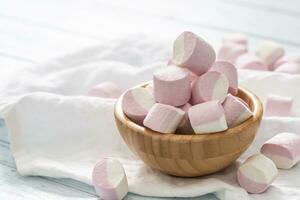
(190, 155)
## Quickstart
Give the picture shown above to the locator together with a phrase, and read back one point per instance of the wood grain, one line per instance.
(190, 155)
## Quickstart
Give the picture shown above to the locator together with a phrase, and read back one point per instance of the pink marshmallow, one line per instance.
(289, 67)
(136, 104)
(109, 179)
(193, 52)
(172, 85)
(105, 90)
(231, 51)
(250, 61)
(283, 149)
(235, 111)
(207, 117)
(163, 118)
(230, 71)
(278, 106)
(269, 52)
(256, 174)
(236, 38)
(291, 57)
(212, 85)
(185, 124)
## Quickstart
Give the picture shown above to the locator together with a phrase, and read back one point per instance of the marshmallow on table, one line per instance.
(236, 38)
(291, 57)
(212, 85)
(269, 52)
(172, 85)
(250, 61)
(230, 71)
(193, 52)
(289, 67)
(256, 174)
(105, 90)
(109, 179)
(236, 111)
(185, 126)
(283, 149)
(231, 51)
(207, 117)
(278, 106)
(136, 103)
(163, 118)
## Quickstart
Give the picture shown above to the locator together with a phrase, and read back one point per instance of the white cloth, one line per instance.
(58, 133)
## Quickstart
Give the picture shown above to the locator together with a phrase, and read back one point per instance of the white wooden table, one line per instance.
(33, 31)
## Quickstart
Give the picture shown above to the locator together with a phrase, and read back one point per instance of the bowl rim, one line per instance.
(257, 114)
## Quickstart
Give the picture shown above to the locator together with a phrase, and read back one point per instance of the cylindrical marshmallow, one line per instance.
(207, 117)
(185, 126)
(279, 106)
(163, 118)
(250, 61)
(230, 71)
(236, 38)
(256, 174)
(291, 57)
(269, 52)
(109, 179)
(236, 111)
(105, 90)
(289, 67)
(193, 52)
(212, 85)
(136, 103)
(172, 85)
(231, 51)
(283, 149)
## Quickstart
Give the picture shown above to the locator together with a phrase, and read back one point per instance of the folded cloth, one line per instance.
(64, 134)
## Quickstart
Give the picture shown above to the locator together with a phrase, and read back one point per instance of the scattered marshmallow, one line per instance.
(136, 103)
(289, 67)
(231, 51)
(235, 111)
(283, 149)
(291, 57)
(193, 52)
(109, 179)
(163, 118)
(269, 52)
(207, 117)
(256, 174)
(212, 85)
(278, 106)
(105, 90)
(250, 61)
(172, 85)
(149, 87)
(236, 38)
(230, 71)
(185, 126)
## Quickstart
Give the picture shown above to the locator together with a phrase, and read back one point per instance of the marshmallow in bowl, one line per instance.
(251, 61)
(231, 51)
(163, 118)
(210, 86)
(279, 106)
(283, 149)
(236, 38)
(193, 52)
(230, 71)
(207, 117)
(290, 57)
(172, 85)
(289, 67)
(269, 52)
(236, 111)
(185, 125)
(109, 179)
(105, 90)
(136, 103)
(256, 174)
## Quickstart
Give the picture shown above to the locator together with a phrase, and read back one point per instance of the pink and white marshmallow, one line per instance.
(136, 104)
(289, 68)
(105, 90)
(283, 149)
(109, 179)
(231, 51)
(236, 38)
(210, 86)
(291, 57)
(269, 52)
(163, 118)
(230, 71)
(236, 111)
(207, 117)
(279, 106)
(256, 174)
(172, 85)
(192, 52)
(185, 126)
(250, 61)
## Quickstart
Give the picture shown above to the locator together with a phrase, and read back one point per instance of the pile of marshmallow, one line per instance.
(268, 56)
(193, 94)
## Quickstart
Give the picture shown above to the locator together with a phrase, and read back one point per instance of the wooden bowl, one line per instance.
(190, 155)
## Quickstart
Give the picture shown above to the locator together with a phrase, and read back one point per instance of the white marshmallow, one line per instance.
(269, 52)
